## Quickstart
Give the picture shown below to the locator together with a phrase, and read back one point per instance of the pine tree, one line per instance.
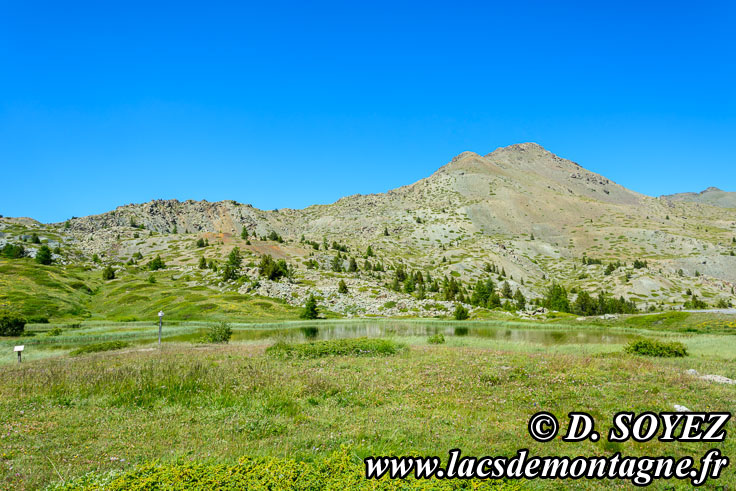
(43, 255)
(353, 266)
(244, 234)
(310, 309)
(336, 264)
(202, 263)
(506, 290)
(369, 252)
(385, 231)
(234, 259)
(342, 287)
(520, 300)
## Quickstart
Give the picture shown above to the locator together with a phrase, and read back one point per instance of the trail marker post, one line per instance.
(160, 321)
(19, 350)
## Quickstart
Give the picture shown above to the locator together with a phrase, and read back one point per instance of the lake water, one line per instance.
(335, 330)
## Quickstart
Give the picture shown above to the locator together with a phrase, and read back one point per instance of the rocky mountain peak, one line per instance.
(711, 189)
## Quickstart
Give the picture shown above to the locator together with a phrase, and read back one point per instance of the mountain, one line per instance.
(520, 210)
(711, 196)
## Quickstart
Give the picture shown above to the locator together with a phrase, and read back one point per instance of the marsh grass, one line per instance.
(336, 347)
(99, 347)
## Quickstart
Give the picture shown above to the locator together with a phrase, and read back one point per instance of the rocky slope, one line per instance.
(529, 212)
(711, 196)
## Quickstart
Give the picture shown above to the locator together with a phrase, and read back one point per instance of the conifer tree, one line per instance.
(43, 255)
(310, 309)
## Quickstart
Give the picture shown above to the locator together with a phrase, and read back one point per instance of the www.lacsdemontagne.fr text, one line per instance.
(641, 471)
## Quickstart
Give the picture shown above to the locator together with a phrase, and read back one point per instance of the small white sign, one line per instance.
(19, 348)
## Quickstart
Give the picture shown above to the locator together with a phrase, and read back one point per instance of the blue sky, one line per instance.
(287, 104)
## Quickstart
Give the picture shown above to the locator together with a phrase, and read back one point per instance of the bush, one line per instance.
(218, 333)
(55, 332)
(695, 304)
(274, 270)
(11, 324)
(438, 338)
(336, 347)
(108, 273)
(651, 347)
(156, 264)
(12, 251)
(96, 348)
(461, 313)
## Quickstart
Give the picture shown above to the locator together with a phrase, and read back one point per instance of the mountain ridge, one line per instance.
(527, 211)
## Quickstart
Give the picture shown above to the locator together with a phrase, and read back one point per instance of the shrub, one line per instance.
(438, 338)
(55, 331)
(13, 251)
(37, 319)
(274, 270)
(461, 313)
(96, 348)
(11, 324)
(651, 347)
(43, 255)
(342, 287)
(336, 347)
(108, 273)
(695, 304)
(156, 264)
(218, 333)
(556, 299)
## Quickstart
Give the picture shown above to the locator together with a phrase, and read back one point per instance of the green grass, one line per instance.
(64, 417)
(99, 347)
(336, 347)
(75, 292)
(340, 470)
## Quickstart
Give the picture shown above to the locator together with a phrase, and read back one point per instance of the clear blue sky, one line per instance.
(287, 104)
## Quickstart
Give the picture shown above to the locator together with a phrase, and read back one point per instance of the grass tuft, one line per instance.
(651, 347)
(96, 348)
(336, 347)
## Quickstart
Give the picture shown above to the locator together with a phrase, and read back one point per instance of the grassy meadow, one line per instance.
(189, 404)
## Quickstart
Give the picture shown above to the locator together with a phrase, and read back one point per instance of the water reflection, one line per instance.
(338, 330)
